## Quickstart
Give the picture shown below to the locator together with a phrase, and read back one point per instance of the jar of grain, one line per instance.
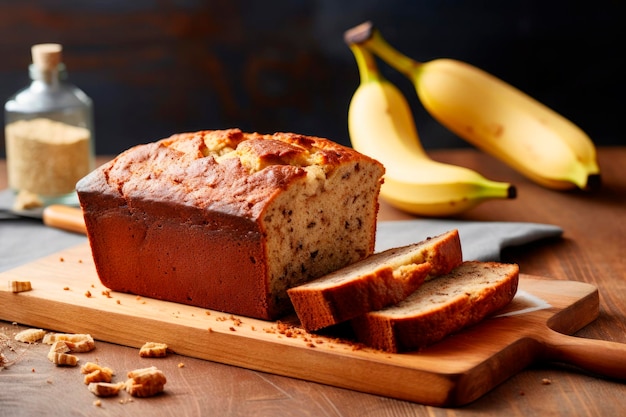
(49, 133)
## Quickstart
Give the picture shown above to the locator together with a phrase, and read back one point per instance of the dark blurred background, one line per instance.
(159, 67)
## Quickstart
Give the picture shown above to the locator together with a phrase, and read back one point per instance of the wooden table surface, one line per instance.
(592, 250)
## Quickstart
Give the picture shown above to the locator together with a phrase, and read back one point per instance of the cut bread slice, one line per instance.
(440, 307)
(378, 281)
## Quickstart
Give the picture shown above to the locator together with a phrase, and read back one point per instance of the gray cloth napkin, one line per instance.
(482, 241)
(25, 240)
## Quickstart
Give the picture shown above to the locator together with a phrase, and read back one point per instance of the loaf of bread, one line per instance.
(375, 282)
(228, 220)
(440, 307)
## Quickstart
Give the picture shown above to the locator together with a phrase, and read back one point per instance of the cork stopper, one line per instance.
(46, 56)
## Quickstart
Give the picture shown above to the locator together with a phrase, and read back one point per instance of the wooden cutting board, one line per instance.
(68, 297)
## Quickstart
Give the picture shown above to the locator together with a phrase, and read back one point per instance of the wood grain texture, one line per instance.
(65, 218)
(68, 297)
(590, 251)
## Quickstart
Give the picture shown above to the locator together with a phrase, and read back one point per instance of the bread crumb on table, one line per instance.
(96, 373)
(153, 350)
(145, 382)
(20, 286)
(30, 335)
(105, 389)
(75, 342)
(62, 359)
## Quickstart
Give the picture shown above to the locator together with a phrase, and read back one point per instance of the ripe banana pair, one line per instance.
(478, 107)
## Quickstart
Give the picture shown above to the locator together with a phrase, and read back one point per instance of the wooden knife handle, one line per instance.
(597, 356)
(64, 217)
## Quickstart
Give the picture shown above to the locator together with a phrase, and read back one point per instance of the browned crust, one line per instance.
(413, 332)
(183, 202)
(376, 290)
(204, 276)
(186, 177)
(446, 254)
(322, 307)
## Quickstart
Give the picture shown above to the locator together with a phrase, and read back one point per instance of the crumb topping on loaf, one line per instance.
(229, 171)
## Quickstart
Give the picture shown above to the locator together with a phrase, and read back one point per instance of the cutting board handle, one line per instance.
(64, 217)
(597, 356)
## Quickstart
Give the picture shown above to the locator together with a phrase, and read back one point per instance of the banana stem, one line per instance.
(365, 61)
(379, 46)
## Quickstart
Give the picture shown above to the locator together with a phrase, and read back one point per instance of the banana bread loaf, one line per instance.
(380, 280)
(440, 307)
(228, 220)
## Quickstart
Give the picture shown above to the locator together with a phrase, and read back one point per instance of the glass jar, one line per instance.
(49, 134)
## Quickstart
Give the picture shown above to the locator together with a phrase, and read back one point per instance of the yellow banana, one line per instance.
(495, 117)
(381, 125)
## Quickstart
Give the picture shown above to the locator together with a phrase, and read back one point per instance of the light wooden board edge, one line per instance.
(444, 375)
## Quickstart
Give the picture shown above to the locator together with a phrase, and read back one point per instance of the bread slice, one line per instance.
(380, 280)
(440, 307)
